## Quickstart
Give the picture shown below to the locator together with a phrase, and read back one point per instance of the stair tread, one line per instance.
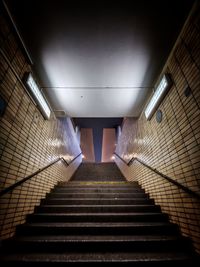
(101, 224)
(99, 187)
(98, 190)
(106, 183)
(104, 205)
(92, 190)
(109, 199)
(98, 194)
(97, 238)
(99, 257)
(104, 229)
(99, 214)
(103, 186)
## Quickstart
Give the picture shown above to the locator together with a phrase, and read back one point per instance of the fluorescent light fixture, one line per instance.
(37, 95)
(158, 95)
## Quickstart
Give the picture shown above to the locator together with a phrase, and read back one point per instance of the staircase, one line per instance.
(98, 219)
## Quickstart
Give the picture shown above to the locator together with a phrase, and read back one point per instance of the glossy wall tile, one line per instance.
(173, 145)
(27, 141)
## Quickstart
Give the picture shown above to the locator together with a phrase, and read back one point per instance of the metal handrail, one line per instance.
(169, 179)
(120, 158)
(70, 162)
(10, 188)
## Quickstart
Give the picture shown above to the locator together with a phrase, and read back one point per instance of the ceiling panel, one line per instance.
(100, 58)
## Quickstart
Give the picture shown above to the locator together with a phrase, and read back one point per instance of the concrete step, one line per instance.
(100, 221)
(111, 243)
(97, 208)
(102, 228)
(136, 259)
(107, 183)
(99, 184)
(96, 201)
(97, 195)
(98, 172)
(97, 190)
(97, 217)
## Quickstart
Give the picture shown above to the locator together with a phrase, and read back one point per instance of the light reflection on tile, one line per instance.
(172, 146)
(28, 143)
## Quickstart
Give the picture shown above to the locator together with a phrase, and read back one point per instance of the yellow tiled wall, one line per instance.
(172, 146)
(27, 141)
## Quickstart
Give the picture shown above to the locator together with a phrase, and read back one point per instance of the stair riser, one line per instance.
(101, 183)
(100, 218)
(120, 246)
(98, 172)
(98, 186)
(97, 195)
(97, 223)
(149, 230)
(97, 190)
(103, 209)
(99, 179)
(96, 202)
(104, 262)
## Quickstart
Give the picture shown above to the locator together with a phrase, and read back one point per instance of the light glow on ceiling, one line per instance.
(99, 82)
(158, 96)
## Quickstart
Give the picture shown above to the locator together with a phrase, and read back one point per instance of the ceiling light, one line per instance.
(37, 95)
(158, 95)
